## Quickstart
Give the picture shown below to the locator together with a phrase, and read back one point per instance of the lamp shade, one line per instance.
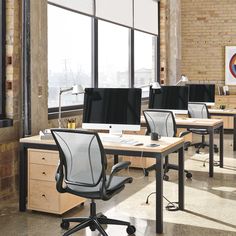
(183, 79)
(77, 89)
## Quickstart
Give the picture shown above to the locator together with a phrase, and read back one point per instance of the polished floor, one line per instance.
(210, 204)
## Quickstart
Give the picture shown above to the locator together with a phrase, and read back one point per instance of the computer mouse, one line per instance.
(138, 144)
(153, 145)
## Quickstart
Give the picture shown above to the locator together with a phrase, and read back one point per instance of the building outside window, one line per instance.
(144, 60)
(113, 55)
(69, 54)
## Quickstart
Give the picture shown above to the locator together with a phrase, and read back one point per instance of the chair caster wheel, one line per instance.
(92, 227)
(146, 173)
(100, 215)
(166, 177)
(65, 225)
(130, 229)
(189, 175)
(197, 151)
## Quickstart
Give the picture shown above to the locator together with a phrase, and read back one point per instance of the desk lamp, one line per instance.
(183, 79)
(76, 89)
(155, 85)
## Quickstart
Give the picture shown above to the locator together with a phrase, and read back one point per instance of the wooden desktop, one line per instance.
(166, 146)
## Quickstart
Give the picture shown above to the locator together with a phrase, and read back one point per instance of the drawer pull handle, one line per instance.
(43, 158)
(43, 195)
(44, 173)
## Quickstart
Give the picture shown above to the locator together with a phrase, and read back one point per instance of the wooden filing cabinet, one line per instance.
(229, 101)
(42, 193)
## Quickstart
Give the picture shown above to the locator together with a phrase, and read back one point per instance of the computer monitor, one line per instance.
(202, 93)
(113, 109)
(174, 98)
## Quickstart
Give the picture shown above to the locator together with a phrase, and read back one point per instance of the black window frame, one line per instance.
(77, 109)
(2, 58)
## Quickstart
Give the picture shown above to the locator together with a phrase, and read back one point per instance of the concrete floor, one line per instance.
(217, 220)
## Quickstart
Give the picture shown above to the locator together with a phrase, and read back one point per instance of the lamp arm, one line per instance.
(66, 90)
(59, 112)
(179, 82)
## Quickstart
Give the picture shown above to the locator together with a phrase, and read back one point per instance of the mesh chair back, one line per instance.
(82, 156)
(198, 110)
(161, 122)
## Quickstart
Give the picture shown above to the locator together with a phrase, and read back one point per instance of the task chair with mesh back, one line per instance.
(163, 123)
(82, 172)
(199, 110)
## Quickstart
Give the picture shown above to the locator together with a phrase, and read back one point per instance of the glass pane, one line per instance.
(69, 54)
(113, 55)
(144, 60)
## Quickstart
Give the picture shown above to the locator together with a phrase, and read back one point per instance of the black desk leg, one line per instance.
(116, 159)
(234, 134)
(181, 178)
(23, 178)
(211, 152)
(159, 195)
(221, 146)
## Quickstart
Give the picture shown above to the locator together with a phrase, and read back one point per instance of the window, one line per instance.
(2, 58)
(113, 55)
(69, 54)
(89, 51)
(144, 60)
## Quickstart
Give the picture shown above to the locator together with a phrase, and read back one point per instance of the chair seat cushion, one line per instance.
(116, 185)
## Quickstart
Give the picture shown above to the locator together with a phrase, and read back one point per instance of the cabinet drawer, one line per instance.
(39, 156)
(43, 196)
(42, 172)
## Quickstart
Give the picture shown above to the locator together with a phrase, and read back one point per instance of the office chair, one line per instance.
(82, 172)
(163, 123)
(199, 110)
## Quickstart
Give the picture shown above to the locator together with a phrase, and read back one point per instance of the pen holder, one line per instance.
(71, 125)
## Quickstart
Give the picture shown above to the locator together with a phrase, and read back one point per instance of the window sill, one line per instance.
(6, 122)
(54, 115)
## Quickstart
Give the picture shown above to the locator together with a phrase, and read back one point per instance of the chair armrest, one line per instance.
(59, 177)
(116, 168)
(120, 166)
(184, 133)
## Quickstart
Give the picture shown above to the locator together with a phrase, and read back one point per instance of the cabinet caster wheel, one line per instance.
(65, 225)
(146, 173)
(189, 175)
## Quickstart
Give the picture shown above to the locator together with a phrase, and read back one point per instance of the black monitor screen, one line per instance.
(112, 106)
(202, 93)
(169, 97)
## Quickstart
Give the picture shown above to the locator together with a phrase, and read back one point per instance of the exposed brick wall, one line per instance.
(207, 27)
(9, 144)
(8, 169)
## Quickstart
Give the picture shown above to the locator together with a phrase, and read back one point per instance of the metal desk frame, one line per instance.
(211, 130)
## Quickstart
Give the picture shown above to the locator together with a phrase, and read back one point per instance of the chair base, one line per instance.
(94, 222)
(166, 168)
(203, 145)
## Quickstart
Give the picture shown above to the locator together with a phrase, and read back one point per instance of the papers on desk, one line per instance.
(118, 139)
(46, 134)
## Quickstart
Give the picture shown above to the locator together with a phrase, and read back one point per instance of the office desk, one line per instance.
(210, 125)
(167, 146)
(227, 112)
